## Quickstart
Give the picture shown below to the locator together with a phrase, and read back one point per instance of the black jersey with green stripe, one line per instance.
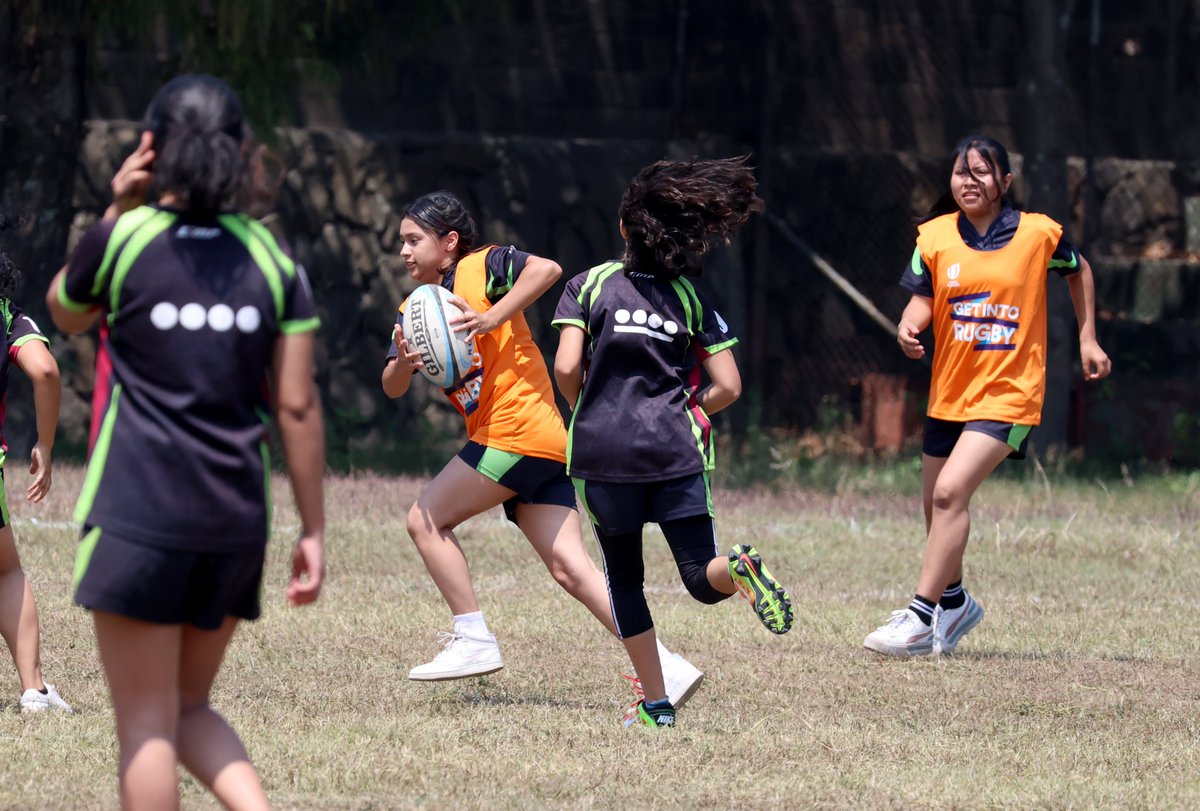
(637, 419)
(19, 329)
(192, 309)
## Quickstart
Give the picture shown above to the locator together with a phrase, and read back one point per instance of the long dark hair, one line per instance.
(673, 210)
(10, 274)
(198, 128)
(994, 155)
(439, 213)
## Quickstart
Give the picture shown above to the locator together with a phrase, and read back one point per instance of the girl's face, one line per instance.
(426, 255)
(976, 186)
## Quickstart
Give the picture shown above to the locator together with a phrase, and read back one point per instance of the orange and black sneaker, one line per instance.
(770, 600)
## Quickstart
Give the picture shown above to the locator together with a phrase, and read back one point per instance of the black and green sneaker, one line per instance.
(770, 600)
(656, 714)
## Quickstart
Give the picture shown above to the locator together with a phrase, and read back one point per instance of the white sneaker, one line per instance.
(951, 625)
(36, 701)
(681, 678)
(903, 636)
(462, 655)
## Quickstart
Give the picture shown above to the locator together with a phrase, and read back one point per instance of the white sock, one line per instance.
(472, 623)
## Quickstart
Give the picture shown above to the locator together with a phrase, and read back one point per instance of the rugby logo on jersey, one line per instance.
(988, 325)
(952, 274)
(645, 323)
(219, 318)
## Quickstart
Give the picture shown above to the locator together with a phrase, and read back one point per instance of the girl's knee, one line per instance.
(419, 524)
(949, 497)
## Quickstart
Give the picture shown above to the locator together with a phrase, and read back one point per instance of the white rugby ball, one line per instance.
(427, 328)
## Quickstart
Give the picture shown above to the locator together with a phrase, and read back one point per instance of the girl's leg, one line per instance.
(974, 457)
(456, 494)
(931, 468)
(208, 746)
(18, 614)
(141, 663)
(626, 574)
(553, 531)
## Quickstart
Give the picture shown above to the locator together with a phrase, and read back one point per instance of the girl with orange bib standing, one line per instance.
(979, 276)
(516, 450)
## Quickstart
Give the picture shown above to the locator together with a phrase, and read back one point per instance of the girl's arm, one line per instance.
(1082, 285)
(726, 385)
(69, 321)
(538, 276)
(568, 363)
(298, 415)
(399, 371)
(35, 360)
(915, 318)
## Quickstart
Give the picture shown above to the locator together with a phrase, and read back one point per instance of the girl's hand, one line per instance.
(39, 468)
(906, 336)
(308, 570)
(131, 180)
(471, 322)
(1096, 364)
(406, 354)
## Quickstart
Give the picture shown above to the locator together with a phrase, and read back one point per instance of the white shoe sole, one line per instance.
(481, 669)
(680, 689)
(897, 651)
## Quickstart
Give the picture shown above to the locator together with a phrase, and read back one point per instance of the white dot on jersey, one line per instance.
(622, 316)
(165, 315)
(248, 319)
(671, 327)
(655, 321)
(192, 316)
(639, 316)
(220, 317)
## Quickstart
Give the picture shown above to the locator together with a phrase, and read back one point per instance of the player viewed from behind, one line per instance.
(25, 346)
(205, 315)
(516, 445)
(978, 274)
(634, 337)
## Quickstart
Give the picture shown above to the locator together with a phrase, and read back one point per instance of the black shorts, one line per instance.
(620, 507)
(535, 480)
(941, 435)
(167, 586)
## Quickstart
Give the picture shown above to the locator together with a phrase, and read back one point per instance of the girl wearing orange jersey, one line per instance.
(516, 450)
(979, 276)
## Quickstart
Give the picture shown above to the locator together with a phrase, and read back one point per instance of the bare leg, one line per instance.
(974, 457)
(18, 614)
(141, 662)
(553, 531)
(931, 468)
(208, 746)
(456, 494)
(643, 653)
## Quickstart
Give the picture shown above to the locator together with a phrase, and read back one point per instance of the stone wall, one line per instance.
(341, 193)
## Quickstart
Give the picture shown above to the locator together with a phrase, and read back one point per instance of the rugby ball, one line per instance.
(427, 328)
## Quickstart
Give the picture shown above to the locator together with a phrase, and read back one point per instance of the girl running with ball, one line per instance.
(516, 445)
(635, 335)
(978, 274)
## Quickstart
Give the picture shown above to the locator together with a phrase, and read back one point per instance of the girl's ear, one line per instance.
(451, 241)
(1006, 184)
(624, 233)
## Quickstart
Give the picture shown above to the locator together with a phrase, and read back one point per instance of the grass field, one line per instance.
(1081, 689)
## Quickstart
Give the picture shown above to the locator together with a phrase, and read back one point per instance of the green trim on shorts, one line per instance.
(495, 464)
(578, 484)
(83, 557)
(1017, 435)
(3, 498)
(712, 511)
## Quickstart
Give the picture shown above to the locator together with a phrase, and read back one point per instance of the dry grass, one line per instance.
(1080, 689)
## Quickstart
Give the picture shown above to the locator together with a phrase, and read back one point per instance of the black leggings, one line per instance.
(693, 543)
